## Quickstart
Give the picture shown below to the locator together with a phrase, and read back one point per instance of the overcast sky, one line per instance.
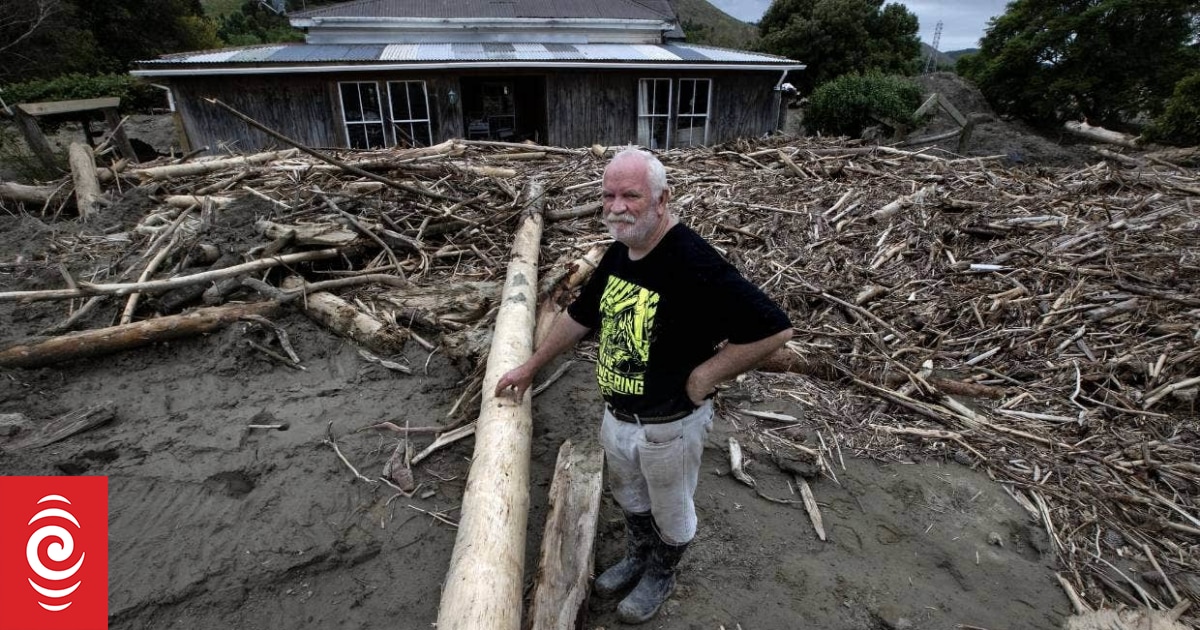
(963, 20)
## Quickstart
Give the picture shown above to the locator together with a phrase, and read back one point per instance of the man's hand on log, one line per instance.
(514, 383)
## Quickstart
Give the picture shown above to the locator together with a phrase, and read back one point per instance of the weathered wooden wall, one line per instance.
(298, 106)
(601, 107)
(582, 107)
(744, 105)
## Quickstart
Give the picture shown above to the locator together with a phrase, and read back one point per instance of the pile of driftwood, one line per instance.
(1042, 325)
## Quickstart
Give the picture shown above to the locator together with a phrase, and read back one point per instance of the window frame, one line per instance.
(679, 116)
(346, 122)
(386, 122)
(411, 122)
(645, 136)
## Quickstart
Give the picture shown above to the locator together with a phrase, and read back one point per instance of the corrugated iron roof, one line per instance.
(617, 9)
(332, 54)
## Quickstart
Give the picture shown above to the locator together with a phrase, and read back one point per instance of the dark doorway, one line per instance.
(504, 107)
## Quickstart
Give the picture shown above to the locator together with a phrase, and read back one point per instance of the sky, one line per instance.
(963, 21)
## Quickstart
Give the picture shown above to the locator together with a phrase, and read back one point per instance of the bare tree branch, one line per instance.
(21, 18)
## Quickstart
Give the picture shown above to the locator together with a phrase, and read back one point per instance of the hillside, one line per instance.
(704, 23)
(943, 60)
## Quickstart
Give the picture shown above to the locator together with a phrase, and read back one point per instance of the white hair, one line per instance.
(656, 173)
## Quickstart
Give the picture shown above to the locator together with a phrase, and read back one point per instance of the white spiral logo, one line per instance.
(59, 551)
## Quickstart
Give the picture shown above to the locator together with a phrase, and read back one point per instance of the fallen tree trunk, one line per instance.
(561, 585)
(87, 183)
(211, 166)
(786, 360)
(125, 288)
(1100, 134)
(346, 320)
(28, 194)
(93, 343)
(484, 582)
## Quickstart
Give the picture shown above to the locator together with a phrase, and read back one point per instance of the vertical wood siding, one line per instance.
(589, 107)
(296, 106)
(582, 107)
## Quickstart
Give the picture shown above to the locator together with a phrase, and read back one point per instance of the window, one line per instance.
(654, 113)
(407, 122)
(673, 118)
(364, 119)
(691, 119)
(410, 113)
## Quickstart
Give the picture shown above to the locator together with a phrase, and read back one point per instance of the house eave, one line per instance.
(458, 65)
(407, 23)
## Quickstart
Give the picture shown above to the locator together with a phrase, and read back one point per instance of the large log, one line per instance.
(561, 585)
(484, 582)
(1100, 134)
(92, 343)
(87, 183)
(173, 171)
(347, 320)
(22, 193)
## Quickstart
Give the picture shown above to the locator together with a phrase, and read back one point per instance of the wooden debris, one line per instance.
(1055, 308)
(92, 343)
(344, 319)
(810, 506)
(1100, 134)
(484, 582)
(21, 193)
(87, 183)
(562, 582)
(444, 440)
(66, 425)
(737, 466)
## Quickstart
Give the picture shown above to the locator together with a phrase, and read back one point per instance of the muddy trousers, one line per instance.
(655, 468)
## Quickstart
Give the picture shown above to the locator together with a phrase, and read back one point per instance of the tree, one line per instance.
(93, 37)
(836, 37)
(21, 18)
(256, 23)
(1107, 61)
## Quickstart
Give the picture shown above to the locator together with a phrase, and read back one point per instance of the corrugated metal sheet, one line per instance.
(464, 52)
(254, 55)
(629, 9)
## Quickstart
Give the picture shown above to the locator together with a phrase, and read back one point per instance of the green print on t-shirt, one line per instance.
(627, 322)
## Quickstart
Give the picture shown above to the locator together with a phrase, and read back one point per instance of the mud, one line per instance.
(213, 524)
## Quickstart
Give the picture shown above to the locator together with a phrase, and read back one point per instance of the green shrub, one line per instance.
(1180, 121)
(850, 103)
(136, 97)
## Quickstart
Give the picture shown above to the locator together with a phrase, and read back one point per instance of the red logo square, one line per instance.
(53, 553)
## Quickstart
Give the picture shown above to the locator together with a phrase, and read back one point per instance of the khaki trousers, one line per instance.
(655, 468)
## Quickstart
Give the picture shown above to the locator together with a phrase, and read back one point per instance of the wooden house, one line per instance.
(376, 73)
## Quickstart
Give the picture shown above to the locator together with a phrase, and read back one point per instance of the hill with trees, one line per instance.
(704, 23)
(837, 37)
(1113, 63)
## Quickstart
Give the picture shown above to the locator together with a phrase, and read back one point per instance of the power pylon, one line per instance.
(930, 64)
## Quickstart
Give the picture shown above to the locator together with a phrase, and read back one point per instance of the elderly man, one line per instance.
(675, 320)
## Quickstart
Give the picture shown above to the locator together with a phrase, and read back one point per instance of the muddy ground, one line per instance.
(216, 525)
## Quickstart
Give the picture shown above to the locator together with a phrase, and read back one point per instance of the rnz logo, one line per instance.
(54, 586)
(53, 553)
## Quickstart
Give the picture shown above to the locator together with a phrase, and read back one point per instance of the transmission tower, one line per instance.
(930, 63)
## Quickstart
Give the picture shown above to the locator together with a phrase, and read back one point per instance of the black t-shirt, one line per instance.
(663, 315)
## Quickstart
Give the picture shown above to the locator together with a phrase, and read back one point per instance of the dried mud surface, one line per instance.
(215, 525)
